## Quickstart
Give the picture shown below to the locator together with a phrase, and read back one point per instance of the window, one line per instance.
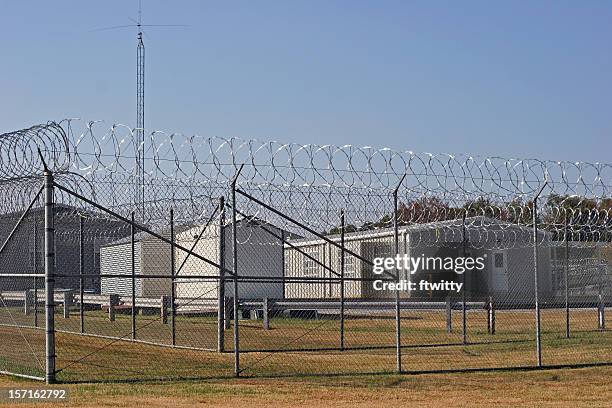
(311, 267)
(499, 260)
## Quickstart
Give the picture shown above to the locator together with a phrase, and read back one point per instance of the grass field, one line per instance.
(566, 388)
(427, 346)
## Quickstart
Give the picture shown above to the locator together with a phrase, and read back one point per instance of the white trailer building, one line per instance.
(260, 254)
(506, 248)
(151, 257)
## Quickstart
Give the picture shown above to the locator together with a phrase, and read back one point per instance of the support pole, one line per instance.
(266, 314)
(67, 300)
(133, 270)
(284, 272)
(27, 302)
(172, 285)
(536, 278)
(601, 313)
(463, 307)
(113, 301)
(566, 279)
(35, 272)
(342, 261)
(81, 276)
(221, 290)
(491, 316)
(164, 305)
(398, 320)
(49, 278)
(235, 269)
(449, 315)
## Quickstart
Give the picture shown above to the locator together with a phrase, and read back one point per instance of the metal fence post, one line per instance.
(164, 305)
(491, 316)
(172, 285)
(221, 290)
(27, 302)
(601, 313)
(284, 272)
(266, 313)
(49, 278)
(463, 307)
(35, 272)
(566, 278)
(235, 272)
(81, 276)
(398, 328)
(449, 314)
(133, 270)
(342, 261)
(536, 278)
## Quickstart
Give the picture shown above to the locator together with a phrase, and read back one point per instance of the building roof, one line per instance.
(193, 230)
(250, 221)
(472, 223)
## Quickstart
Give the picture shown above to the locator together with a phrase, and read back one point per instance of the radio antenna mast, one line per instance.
(139, 198)
(140, 113)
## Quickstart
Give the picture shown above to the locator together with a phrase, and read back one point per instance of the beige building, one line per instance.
(151, 257)
(506, 249)
(260, 254)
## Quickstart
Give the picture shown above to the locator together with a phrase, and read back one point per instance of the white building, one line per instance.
(260, 254)
(151, 257)
(506, 249)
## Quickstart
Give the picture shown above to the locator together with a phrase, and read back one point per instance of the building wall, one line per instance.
(116, 259)
(298, 265)
(521, 274)
(156, 260)
(259, 255)
(208, 248)
(152, 257)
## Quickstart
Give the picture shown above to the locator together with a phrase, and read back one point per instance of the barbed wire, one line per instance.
(306, 181)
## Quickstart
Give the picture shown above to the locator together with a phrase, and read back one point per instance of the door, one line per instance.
(499, 272)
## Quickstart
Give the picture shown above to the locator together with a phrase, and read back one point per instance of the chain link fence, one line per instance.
(244, 258)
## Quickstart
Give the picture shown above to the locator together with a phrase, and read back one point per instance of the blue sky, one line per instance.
(507, 78)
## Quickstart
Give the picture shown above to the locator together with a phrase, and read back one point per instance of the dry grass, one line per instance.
(586, 387)
(89, 359)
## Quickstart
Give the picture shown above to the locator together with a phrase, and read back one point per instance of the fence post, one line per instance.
(601, 316)
(172, 285)
(27, 302)
(163, 308)
(266, 315)
(35, 272)
(491, 316)
(67, 300)
(235, 273)
(463, 307)
(342, 261)
(535, 276)
(229, 312)
(81, 277)
(566, 278)
(284, 272)
(221, 290)
(449, 315)
(398, 328)
(49, 278)
(113, 300)
(133, 270)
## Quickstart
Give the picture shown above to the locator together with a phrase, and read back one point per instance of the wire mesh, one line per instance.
(147, 287)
